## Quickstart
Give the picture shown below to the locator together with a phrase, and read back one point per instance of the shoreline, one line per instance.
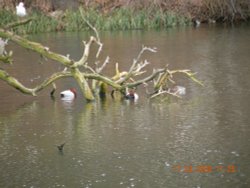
(105, 15)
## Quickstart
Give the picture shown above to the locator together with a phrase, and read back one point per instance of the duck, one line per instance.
(197, 23)
(20, 10)
(132, 95)
(60, 147)
(69, 94)
(178, 90)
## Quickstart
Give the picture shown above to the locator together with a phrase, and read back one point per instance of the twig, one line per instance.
(37, 47)
(189, 74)
(164, 92)
(135, 67)
(86, 52)
(89, 68)
(144, 48)
(98, 41)
(147, 79)
(99, 70)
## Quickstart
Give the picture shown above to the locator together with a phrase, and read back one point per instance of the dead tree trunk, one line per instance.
(119, 82)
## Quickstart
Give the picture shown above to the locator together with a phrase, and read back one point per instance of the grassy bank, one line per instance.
(119, 19)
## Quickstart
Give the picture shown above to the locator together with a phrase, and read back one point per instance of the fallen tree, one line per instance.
(87, 75)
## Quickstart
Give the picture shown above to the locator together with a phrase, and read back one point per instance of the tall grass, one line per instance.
(120, 19)
(40, 22)
(6, 17)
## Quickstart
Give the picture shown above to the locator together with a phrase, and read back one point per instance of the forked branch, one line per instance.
(120, 81)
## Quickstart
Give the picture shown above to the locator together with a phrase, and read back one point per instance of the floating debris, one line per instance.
(235, 153)
(167, 164)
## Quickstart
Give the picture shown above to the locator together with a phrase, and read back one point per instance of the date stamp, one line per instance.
(204, 168)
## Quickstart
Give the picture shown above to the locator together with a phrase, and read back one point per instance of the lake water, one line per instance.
(201, 140)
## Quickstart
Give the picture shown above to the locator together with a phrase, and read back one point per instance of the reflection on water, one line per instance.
(157, 143)
(68, 103)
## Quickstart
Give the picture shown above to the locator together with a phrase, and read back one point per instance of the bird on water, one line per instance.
(60, 147)
(131, 95)
(178, 90)
(69, 94)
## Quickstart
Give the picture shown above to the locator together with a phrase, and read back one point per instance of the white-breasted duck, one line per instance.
(69, 94)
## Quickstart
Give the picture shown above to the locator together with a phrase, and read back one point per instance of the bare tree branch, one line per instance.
(86, 52)
(188, 73)
(98, 41)
(99, 70)
(37, 47)
(31, 91)
(147, 79)
(164, 92)
(120, 81)
(135, 67)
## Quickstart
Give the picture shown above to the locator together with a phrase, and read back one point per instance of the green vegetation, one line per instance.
(119, 19)
(227, 10)
(121, 82)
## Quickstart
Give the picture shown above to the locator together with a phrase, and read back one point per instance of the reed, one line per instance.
(6, 17)
(119, 19)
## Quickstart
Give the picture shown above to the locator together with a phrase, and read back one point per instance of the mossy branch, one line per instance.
(147, 79)
(86, 52)
(104, 79)
(120, 81)
(82, 82)
(36, 47)
(7, 58)
(15, 83)
(189, 74)
(32, 91)
(136, 67)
